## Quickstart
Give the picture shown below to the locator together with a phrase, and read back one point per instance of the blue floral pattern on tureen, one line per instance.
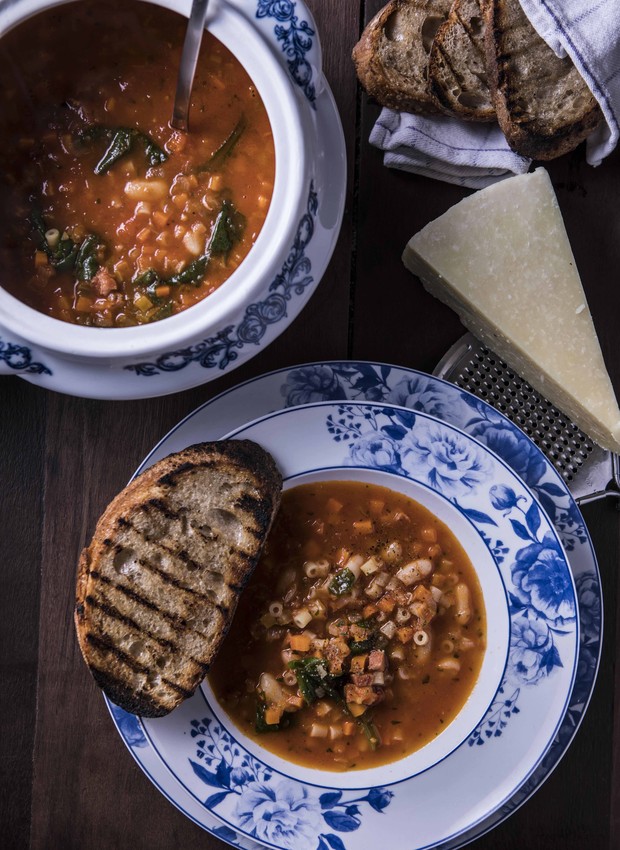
(19, 358)
(220, 350)
(268, 806)
(295, 39)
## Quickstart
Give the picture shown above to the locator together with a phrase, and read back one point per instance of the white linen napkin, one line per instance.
(460, 152)
(475, 155)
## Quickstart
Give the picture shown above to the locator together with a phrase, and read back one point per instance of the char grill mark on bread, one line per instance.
(457, 73)
(391, 57)
(159, 583)
(543, 105)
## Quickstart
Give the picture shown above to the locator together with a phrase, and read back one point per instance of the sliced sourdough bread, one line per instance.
(158, 585)
(543, 105)
(457, 74)
(391, 57)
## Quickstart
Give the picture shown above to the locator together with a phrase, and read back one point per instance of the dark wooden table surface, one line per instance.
(67, 779)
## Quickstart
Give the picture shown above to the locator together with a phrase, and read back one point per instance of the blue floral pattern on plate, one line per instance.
(278, 807)
(417, 391)
(270, 808)
(129, 726)
(381, 382)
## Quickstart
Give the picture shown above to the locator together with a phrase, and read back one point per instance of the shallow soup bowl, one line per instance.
(491, 671)
(267, 289)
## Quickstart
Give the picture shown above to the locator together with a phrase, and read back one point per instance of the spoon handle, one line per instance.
(187, 68)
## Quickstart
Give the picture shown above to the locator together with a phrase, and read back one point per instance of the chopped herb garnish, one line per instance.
(370, 730)
(342, 582)
(311, 676)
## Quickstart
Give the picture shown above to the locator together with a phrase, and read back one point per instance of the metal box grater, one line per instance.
(589, 471)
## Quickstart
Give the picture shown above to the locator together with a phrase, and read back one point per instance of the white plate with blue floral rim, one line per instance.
(288, 26)
(342, 816)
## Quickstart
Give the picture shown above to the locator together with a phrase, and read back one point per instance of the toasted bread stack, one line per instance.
(478, 60)
(158, 585)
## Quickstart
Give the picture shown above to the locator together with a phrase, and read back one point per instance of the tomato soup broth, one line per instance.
(360, 635)
(110, 217)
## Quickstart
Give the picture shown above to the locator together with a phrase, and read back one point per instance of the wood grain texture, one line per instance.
(22, 422)
(68, 782)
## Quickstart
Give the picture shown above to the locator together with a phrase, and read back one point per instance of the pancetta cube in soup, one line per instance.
(111, 218)
(361, 633)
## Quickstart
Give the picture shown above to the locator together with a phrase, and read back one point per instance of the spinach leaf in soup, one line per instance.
(121, 141)
(192, 274)
(227, 229)
(359, 647)
(224, 151)
(87, 259)
(83, 259)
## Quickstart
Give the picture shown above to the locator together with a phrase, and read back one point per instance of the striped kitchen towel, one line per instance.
(475, 155)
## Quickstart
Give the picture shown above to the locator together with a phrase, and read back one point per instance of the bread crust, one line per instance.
(530, 126)
(404, 90)
(114, 610)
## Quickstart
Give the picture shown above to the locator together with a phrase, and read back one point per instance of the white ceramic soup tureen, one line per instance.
(277, 44)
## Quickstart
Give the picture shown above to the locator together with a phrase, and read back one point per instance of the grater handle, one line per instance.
(611, 491)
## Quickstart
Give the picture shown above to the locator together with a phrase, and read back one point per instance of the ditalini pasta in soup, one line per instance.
(361, 634)
(110, 217)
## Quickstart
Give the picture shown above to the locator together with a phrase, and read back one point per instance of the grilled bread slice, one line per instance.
(158, 586)
(543, 105)
(391, 57)
(457, 73)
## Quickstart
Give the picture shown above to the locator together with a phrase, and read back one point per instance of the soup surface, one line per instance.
(360, 635)
(110, 217)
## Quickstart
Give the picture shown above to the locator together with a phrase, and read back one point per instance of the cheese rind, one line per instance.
(502, 260)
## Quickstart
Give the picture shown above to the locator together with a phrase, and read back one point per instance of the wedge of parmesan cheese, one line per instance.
(502, 260)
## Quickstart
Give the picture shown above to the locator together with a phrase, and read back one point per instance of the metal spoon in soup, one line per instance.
(187, 67)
